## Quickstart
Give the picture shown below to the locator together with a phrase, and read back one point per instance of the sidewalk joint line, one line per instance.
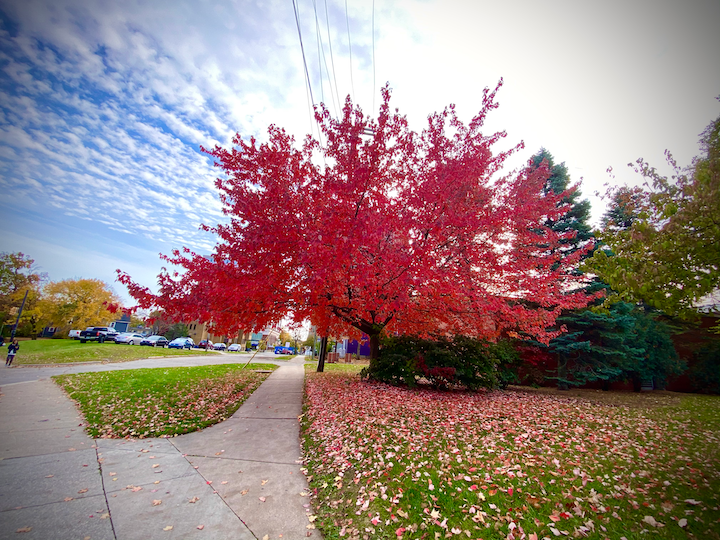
(197, 471)
(293, 463)
(40, 505)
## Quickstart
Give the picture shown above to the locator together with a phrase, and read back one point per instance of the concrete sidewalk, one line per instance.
(240, 479)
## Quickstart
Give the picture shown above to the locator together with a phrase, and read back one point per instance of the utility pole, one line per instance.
(17, 321)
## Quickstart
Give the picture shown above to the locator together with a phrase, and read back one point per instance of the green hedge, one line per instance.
(462, 361)
(705, 373)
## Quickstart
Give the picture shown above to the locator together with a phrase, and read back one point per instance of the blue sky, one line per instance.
(103, 105)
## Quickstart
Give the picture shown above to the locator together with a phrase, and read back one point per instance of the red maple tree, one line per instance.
(378, 228)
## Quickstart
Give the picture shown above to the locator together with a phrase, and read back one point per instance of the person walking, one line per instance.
(12, 350)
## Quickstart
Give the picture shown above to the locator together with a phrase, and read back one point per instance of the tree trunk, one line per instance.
(562, 374)
(323, 354)
(374, 349)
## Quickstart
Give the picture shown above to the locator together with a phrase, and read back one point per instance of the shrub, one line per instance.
(460, 361)
(705, 373)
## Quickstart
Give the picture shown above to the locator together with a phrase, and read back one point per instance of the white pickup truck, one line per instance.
(75, 334)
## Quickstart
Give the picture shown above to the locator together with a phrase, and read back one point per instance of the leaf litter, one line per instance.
(383, 460)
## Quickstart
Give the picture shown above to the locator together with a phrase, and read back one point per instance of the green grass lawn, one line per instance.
(391, 463)
(337, 368)
(62, 351)
(160, 402)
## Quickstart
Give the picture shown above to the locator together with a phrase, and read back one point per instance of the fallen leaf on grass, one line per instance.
(692, 501)
(651, 521)
(24, 529)
(156, 502)
(682, 523)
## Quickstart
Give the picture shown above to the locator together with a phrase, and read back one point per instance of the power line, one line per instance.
(332, 60)
(319, 46)
(307, 73)
(324, 59)
(373, 45)
(347, 21)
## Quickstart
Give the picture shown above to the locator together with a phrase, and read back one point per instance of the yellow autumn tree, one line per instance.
(79, 303)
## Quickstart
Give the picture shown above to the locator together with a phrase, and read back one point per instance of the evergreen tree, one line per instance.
(576, 220)
(595, 346)
(622, 343)
(658, 359)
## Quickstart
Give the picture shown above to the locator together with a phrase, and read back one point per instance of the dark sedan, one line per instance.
(155, 341)
(181, 343)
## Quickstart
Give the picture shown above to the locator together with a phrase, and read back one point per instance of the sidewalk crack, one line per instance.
(105, 495)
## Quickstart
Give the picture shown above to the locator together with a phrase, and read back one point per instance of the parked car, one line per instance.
(235, 347)
(155, 341)
(98, 333)
(181, 343)
(219, 346)
(74, 334)
(128, 338)
(284, 350)
(204, 344)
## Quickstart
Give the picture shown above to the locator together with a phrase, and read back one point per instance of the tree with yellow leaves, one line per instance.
(78, 303)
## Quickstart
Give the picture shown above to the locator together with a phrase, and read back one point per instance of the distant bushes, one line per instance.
(460, 361)
(705, 373)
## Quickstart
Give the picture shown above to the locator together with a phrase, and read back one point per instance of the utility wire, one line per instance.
(347, 21)
(319, 46)
(373, 58)
(332, 60)
(307, 73)
(324, 60)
